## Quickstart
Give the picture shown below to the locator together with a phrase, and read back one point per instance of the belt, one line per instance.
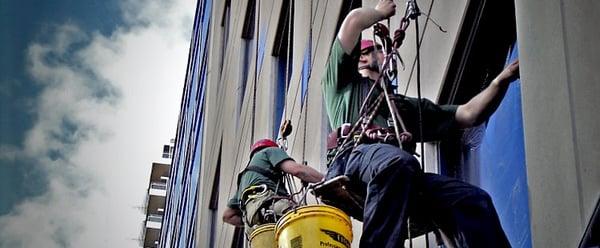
(373, 134)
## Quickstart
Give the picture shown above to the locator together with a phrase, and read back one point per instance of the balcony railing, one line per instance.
(162, 186)
(159, 189)
(154, 221)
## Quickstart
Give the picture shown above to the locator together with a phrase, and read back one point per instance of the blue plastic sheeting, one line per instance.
(502, 171)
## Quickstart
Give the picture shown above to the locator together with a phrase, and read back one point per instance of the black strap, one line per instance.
(273, 176)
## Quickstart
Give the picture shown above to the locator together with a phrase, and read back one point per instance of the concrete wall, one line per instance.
(560, 58)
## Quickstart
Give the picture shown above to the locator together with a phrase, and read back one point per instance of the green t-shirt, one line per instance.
(344, 90)
(270, 159)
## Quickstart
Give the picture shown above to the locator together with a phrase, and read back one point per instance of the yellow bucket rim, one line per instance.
(261, 229)
(310, 210)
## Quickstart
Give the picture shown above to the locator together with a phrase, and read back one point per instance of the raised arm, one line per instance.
(305, 173)
(483, 105)
(360, 19)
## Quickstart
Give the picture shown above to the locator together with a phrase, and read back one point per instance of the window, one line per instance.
(480, 54)
(249, 19)
(246, 50)
(213, 205)
(283, 51)
(491, 155)
(284, 29)
(167, 151)
(225, 23)
(161, 186)
(155, 218)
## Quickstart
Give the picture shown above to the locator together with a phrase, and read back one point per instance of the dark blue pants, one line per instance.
(397, 188)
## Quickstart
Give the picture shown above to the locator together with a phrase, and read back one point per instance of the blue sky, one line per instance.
(24, 22)
(89, 93)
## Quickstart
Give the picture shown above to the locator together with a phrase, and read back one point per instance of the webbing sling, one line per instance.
(273, 176)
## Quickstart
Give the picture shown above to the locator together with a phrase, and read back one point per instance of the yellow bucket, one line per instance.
(263, 236)
(314, 226)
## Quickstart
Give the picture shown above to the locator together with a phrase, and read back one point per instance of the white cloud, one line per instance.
(9, 153)
(107, 106)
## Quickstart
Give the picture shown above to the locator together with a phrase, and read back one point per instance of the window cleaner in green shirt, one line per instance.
(390, 179)
(261, 196)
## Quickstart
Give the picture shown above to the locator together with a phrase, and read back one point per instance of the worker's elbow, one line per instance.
(477, 121)
(291, 167)
(302, 172)
(232, 220)
(296, 171)
(465, 118)
(353, 22)
(467, 122)
(230, 216)
(225, 218)
(353, 16)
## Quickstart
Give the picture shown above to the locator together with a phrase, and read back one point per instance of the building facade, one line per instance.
(181, 213)
(254, 63)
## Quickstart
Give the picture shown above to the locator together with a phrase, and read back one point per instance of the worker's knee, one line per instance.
(400, 161)
(389, 154)
(399, 168)
(405, 158)
(479, 198)
(367, 161)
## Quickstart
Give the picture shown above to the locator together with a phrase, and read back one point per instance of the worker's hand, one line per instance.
(304, 183)
(509, 74)
(386, 8)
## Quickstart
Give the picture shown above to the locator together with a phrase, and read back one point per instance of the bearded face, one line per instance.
(370, 60)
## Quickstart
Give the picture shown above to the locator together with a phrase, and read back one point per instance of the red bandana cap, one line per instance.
(366, 44)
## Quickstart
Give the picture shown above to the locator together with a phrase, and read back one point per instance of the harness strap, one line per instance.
(273, 176)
